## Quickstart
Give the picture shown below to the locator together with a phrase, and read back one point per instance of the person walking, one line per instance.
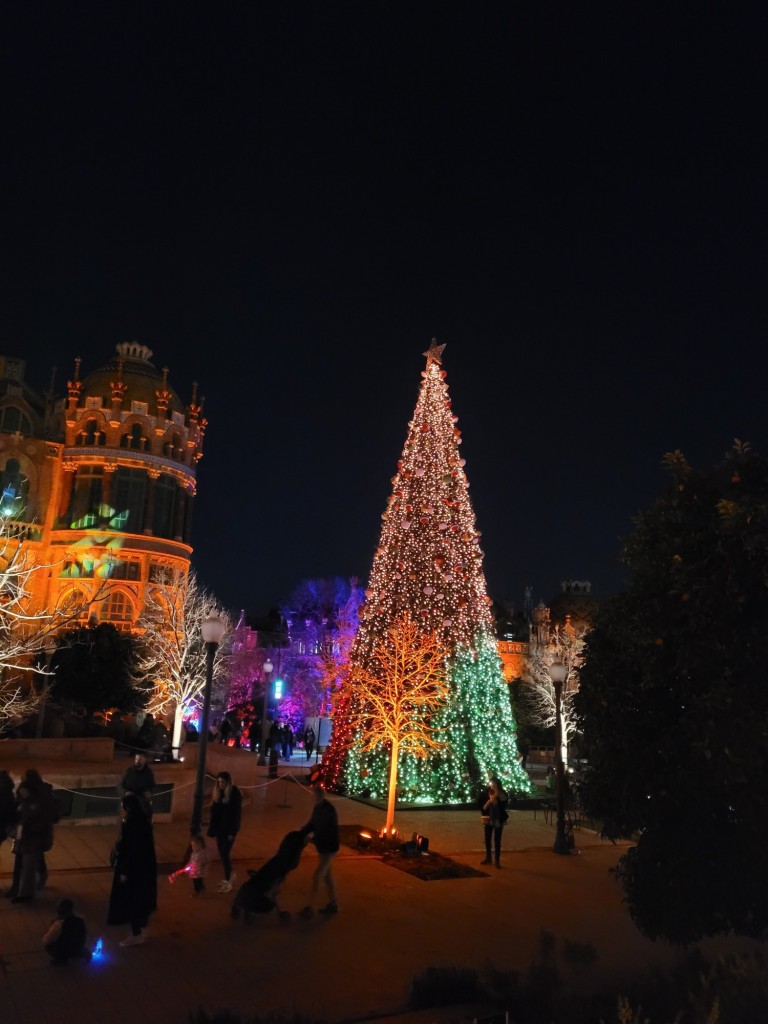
(226, 811)
(494, 817)
(309, 741)
(133, 898)
(225, 728)
(323, 830)
(196, 867)
(286, 738)
(139, 781)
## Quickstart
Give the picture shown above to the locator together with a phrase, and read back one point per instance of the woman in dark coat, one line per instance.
(225, 823)
(33, 833)
(134, 886)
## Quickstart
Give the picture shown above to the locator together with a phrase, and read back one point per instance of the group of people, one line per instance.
(28, 813)
(281, 737)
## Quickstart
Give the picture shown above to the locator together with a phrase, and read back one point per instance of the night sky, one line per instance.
(287, 201)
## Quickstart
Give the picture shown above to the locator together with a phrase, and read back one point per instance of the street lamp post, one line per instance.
(268, 666)
(50, 648)
(212, 630)
(557, 673)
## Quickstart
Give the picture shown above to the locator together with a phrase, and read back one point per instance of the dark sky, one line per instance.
(286, 201)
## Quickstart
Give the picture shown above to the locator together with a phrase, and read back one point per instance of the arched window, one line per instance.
(91, 436)
(14, 421)
(14, 490)
(76, 603)
(135, 439)
(117, 608)
(174, 449)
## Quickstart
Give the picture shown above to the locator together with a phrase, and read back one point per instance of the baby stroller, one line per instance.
(259, 894)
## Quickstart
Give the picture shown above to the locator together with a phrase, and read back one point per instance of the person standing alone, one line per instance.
(133, 898)
(495, 818)
(226, 811)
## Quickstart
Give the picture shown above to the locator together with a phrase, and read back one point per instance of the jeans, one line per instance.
(324, 874)
(224, 845)
(495, 831)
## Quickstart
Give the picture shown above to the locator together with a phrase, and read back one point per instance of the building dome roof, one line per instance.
(142, 379)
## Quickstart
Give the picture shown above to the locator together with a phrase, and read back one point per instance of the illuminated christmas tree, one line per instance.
(429, 566)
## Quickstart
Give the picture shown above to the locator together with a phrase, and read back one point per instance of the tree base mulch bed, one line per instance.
(428, 867)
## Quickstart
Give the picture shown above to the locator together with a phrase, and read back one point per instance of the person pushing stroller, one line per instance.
(259, 894)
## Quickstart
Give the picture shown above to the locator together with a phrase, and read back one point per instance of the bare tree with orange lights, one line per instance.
(396, 697)
(171, 650)
(27, 637)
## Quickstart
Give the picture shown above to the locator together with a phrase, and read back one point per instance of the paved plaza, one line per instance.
(351, 967)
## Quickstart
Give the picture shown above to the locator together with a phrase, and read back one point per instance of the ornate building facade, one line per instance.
(99, 485)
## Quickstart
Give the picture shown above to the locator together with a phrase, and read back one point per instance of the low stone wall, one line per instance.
(80, 765)
(93, 748)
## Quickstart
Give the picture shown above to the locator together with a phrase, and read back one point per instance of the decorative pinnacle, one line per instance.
(434, 353)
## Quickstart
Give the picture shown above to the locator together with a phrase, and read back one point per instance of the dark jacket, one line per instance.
(132, 901)
(137, 780)
(225, 816)
(496, 809)
(8, 812)
(323, 827)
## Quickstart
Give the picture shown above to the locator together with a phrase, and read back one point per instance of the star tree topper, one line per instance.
(434, 353)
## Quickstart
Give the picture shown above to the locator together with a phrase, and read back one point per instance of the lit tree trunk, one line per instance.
(178, 718)
(392, 784)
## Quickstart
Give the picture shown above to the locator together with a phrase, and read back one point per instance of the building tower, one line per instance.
(101, 484)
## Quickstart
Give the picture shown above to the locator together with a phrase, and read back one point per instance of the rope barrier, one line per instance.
(186, 785)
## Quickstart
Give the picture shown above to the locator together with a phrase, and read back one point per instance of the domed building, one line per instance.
(100, 485)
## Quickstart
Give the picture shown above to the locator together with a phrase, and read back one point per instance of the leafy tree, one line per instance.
(675, 705)
(93, 669)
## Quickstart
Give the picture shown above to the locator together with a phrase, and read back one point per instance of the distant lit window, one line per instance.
(165, 505)
(125, 570)
(174, 449)
(134, 438)
(14, 490)
(91, 436)
(85, 501)
(128, 492)
(118, 608)
(13, 421)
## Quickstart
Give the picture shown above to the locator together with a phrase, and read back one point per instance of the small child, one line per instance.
(66, 936)
(196, 867)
